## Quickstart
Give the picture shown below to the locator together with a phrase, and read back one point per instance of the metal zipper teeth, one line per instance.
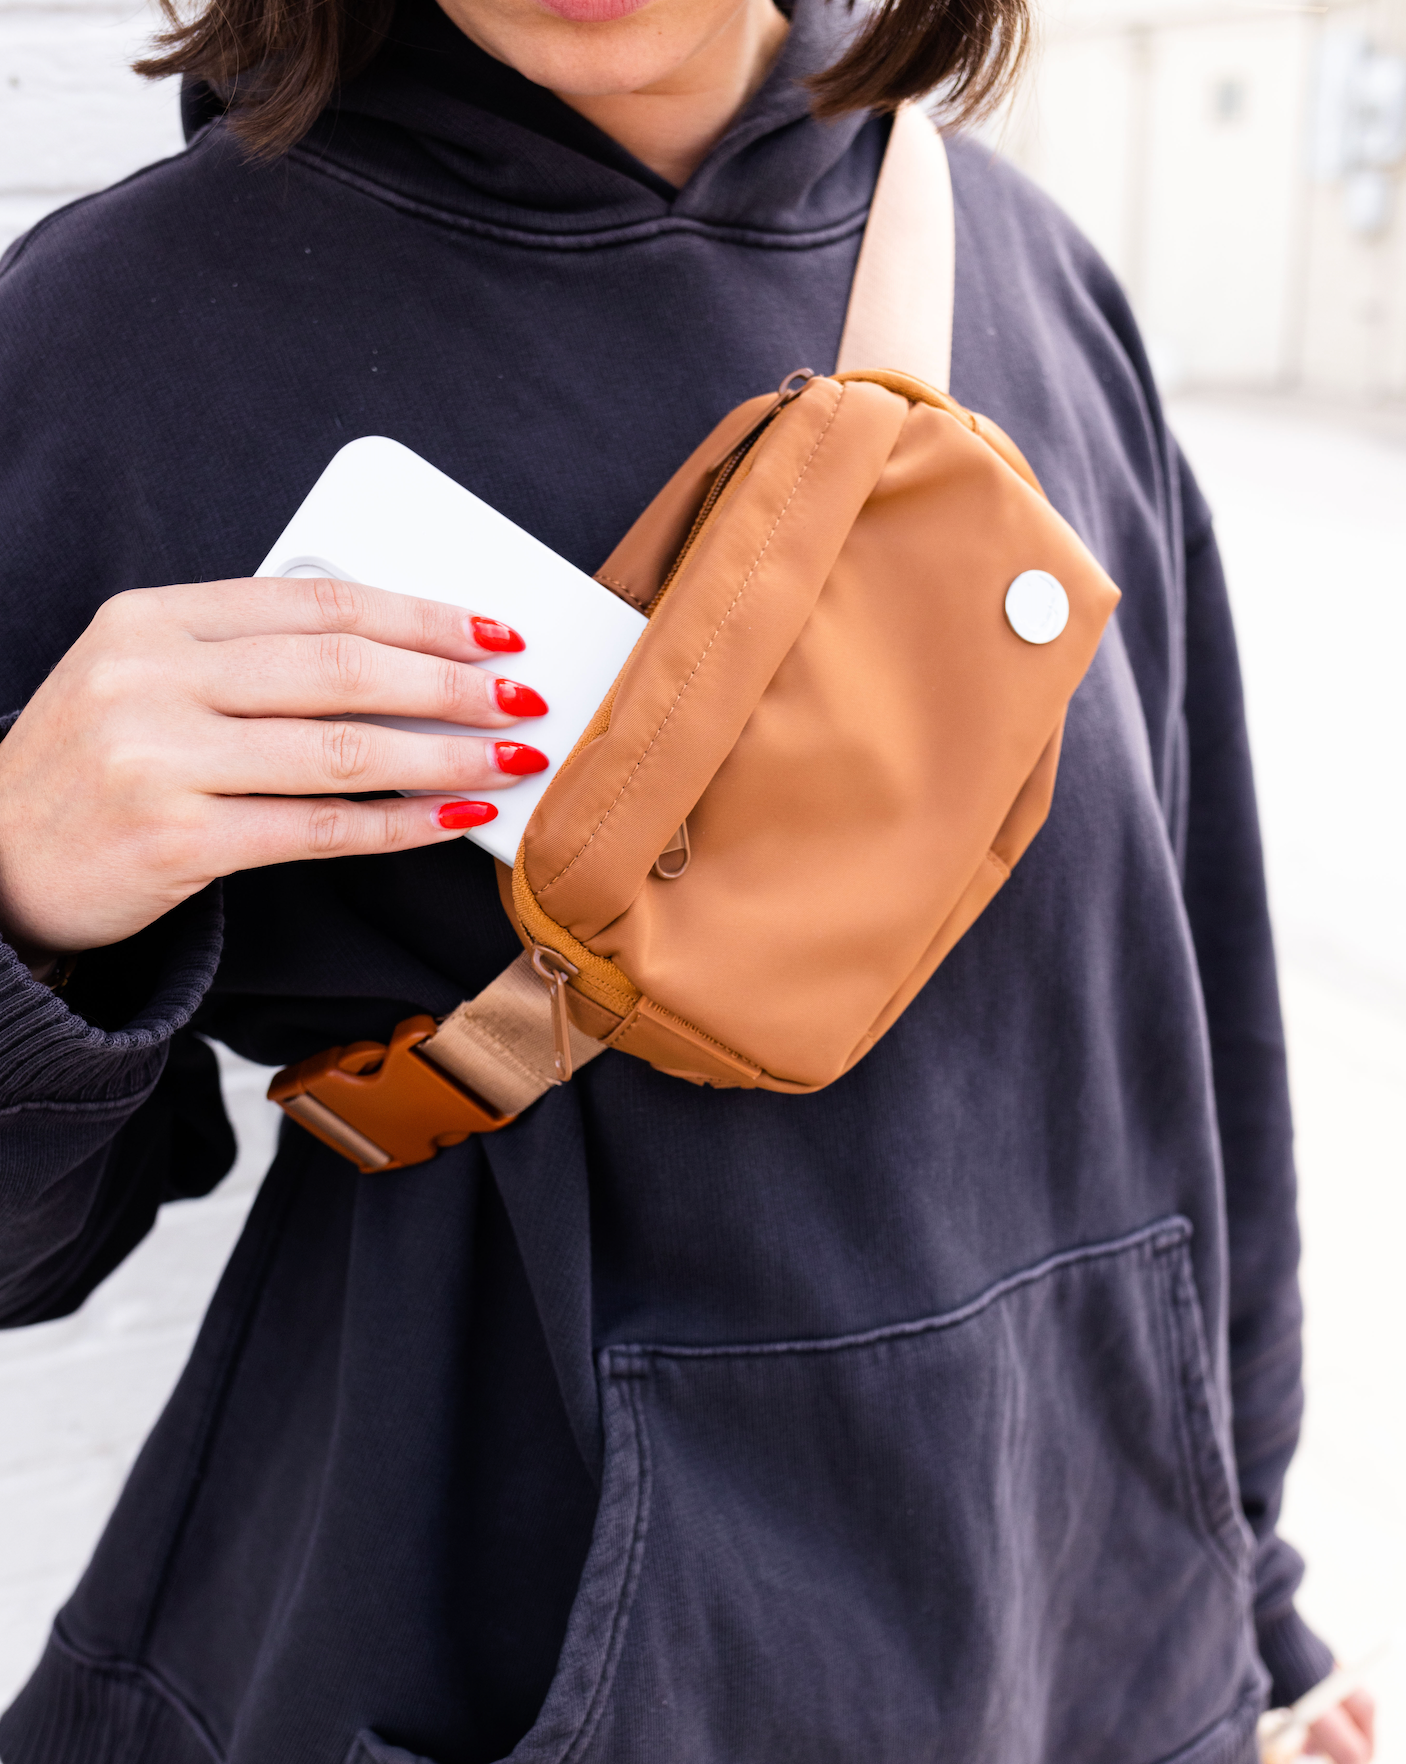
(726, 472)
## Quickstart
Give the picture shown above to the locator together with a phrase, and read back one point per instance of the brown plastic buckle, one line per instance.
(383, 1107)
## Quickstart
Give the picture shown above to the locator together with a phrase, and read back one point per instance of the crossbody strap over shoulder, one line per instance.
(900, 302)
(384, 1107)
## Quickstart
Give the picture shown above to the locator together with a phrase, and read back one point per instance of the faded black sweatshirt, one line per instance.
(920, 1418)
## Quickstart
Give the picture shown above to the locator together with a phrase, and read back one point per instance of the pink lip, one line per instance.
(594, 11)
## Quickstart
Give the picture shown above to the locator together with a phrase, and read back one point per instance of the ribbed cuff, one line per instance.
(1294, 1657)
(50, 1054)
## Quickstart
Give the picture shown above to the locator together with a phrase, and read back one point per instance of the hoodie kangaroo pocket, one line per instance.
(370, 1748)
(1005, 1533)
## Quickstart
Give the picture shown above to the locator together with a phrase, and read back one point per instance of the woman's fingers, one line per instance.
(1339, 1735)
(294, 756)
(339, 671)
(1362, 1707)
(171, 716)
(214, 612)
(257, 831)
(168, 717)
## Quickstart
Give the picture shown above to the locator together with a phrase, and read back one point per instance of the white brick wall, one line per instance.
(73, 117)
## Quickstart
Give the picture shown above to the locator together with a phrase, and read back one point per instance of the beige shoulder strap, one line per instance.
(502, 1044)
(900, 304)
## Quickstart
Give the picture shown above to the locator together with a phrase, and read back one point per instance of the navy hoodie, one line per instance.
(942, 1414)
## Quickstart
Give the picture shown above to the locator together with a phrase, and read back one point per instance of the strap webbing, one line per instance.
(900, 302)
(500, 1044)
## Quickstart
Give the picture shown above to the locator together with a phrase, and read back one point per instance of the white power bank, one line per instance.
(382, 516)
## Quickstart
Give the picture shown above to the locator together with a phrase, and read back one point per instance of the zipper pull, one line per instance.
(556, 971)
(791, 387)
(675, 857)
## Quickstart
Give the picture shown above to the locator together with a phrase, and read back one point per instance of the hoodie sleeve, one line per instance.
(109, 1106)
(1229, 913)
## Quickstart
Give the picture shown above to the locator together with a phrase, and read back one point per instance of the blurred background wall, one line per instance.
(72, 117)
(1241, 168)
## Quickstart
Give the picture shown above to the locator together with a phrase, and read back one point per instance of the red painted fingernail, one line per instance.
(519, 700)
(467, 814)
(518, 758)
(492, 634)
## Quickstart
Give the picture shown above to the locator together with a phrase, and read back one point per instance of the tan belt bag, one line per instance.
(833, 741)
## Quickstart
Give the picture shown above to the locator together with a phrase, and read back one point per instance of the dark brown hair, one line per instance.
(274, 64)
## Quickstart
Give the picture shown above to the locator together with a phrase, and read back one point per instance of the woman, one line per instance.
(892, 1422)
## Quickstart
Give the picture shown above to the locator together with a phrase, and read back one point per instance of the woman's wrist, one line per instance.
(50, 967)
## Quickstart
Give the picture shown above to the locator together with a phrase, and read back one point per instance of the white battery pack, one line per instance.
(382, 516)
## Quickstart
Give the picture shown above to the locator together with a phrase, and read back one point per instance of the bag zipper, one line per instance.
(791, 387)
(556, 971)
(548, 963)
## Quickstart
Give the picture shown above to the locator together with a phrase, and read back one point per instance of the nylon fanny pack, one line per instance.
(835, 738)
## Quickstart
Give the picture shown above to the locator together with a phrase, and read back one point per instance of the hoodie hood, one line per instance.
(527, 166)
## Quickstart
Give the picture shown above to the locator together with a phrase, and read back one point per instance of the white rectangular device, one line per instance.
(382, 516)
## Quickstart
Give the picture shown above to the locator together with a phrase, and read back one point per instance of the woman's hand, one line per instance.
(1345, 1734)
(180, 739)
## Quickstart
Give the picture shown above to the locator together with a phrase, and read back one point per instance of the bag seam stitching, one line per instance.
(693, 1029)
(731, 608)
(622, 589)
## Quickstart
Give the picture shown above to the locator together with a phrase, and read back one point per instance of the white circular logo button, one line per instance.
(1037, 607)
